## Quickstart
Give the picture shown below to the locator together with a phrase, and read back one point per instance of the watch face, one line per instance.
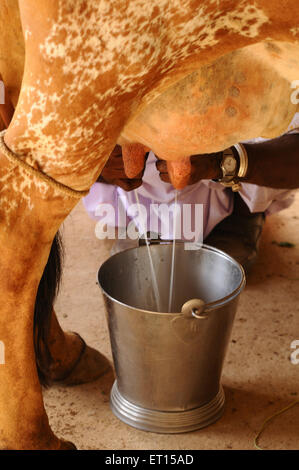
(229, 164)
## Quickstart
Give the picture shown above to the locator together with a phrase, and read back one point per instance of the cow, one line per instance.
(180, 77)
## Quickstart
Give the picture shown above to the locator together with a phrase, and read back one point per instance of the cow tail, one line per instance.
(47, 291)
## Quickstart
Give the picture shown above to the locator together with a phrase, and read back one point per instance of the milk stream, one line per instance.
(153, 274)
(173, 254)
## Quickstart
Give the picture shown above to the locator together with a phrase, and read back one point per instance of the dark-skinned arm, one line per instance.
(273, 163)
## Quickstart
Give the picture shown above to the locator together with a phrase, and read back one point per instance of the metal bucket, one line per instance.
(168, 365)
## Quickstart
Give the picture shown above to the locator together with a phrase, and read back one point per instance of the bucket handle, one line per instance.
(194, 308)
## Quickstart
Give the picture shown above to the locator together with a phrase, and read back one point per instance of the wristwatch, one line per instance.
(234, 164)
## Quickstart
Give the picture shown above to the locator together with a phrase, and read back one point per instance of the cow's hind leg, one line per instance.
(62, 357)
(72, 361)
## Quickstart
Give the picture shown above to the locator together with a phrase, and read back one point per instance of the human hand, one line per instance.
(114, 172)
(206, 166)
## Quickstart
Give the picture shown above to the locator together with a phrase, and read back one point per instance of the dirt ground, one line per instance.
(258, 377)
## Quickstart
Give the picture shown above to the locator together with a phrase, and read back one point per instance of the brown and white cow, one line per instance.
(178, 76)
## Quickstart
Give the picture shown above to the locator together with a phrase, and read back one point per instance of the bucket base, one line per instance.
(166, 422)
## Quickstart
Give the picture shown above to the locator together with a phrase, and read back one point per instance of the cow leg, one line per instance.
(73, 362)
(66, 124)
(62, 358)
(27, 228)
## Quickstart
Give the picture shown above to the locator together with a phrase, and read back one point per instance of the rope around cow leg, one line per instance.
(15, 159)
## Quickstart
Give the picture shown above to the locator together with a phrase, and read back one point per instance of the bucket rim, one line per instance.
(216, 304)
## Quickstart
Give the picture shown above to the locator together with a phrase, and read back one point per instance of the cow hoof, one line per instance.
(89, 366)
